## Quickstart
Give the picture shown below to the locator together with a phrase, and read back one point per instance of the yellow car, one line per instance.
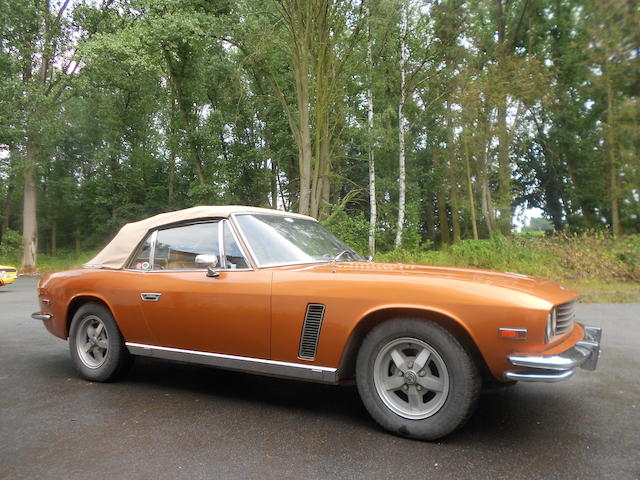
(8, 274)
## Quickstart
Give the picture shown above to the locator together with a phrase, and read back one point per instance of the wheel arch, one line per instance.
(374, 318)
(77, 301)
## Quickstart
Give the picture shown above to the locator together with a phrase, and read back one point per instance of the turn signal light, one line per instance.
(513, 333)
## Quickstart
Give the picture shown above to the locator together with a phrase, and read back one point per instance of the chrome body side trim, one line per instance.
(553, 368)
(41, 316)
(258, 366)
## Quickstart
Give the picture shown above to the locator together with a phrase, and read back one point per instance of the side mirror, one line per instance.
(210, 262)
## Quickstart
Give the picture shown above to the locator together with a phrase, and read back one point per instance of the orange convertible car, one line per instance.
(273, 293)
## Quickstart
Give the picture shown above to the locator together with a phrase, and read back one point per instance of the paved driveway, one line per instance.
(166, 421)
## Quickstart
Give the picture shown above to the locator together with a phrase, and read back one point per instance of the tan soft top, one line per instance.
(116, 253)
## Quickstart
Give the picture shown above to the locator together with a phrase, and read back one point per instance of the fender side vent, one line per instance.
(311, 331)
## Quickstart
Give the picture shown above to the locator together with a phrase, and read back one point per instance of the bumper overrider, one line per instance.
(559, 366)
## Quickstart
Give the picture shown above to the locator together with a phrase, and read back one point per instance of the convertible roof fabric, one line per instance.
(116, 253)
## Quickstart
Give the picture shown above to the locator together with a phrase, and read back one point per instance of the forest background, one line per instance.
(417, 130)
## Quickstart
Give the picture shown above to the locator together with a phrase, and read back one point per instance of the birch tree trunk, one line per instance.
(611, 154)
(373, 206)
(402, 126)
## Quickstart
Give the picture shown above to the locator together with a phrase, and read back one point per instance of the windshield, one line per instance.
(280, 240)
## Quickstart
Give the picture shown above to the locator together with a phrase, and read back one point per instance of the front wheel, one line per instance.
(96, 344)
(416, 379)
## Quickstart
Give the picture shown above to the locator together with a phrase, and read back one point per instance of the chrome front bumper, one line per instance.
(560, 366)
(40, 316)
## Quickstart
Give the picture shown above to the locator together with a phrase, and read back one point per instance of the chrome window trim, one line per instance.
(260, 366)
(228, 224)
(221, 255)
(152, 249)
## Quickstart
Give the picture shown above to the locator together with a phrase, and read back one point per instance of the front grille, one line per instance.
(565, 315)
(8, 270)
(311, 331)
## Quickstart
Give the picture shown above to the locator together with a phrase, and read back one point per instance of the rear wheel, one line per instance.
(96, 344)
(416, 379)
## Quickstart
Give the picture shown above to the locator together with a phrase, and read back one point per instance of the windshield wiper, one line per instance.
(343, 253)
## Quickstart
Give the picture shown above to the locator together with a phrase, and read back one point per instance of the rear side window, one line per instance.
(142, 259)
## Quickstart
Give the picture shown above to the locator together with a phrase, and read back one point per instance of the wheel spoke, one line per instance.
(431, 383)
(102, 343)
(97, 353)
(87, 347)
(399, 359)
(393, 382)
(415, 398)
(99, 329)
(422, 359)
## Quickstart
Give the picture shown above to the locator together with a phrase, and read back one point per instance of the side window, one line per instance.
(178, 247)
(235, 259)
(142, 258)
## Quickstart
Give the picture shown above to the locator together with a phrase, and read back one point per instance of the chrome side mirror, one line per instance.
(210, 262)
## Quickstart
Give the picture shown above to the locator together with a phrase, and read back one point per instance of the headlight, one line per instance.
(550, 331)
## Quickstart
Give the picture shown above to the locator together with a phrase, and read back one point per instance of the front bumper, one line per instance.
(560, 366)
(41, 316)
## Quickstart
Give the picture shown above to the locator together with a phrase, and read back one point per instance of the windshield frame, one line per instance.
(255, 259)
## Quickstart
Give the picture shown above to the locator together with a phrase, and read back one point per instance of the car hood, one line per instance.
(541, 288)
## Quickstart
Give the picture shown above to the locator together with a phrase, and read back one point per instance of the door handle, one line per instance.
(150, 297)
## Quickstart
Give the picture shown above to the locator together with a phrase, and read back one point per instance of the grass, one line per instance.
(603, 269)
(50, 264)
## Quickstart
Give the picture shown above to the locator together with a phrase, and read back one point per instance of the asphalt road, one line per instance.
(167, 421)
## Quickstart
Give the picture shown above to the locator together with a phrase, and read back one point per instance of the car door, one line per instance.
(184, 308)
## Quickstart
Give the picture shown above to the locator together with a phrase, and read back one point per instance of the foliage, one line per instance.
(114, 110)
(592, 258)
(11, 245)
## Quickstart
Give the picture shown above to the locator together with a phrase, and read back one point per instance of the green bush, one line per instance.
(591, 256)
(11, 246)
(351, 229)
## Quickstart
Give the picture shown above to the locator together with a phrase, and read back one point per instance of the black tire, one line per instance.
(450, 411)
(116, 358)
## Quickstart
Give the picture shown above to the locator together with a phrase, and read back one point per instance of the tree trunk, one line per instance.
(504, 171)
(611, 153)
(472, 205)
(485, 197)
(429, 218)
(54, 236)
(304, 145)
(373, 206)
(402, 128)
(442, 217)
(453, 182)
(274, 184)
(29, 215)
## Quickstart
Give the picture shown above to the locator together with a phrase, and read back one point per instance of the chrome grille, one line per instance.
(311, 331)
(565, 315)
